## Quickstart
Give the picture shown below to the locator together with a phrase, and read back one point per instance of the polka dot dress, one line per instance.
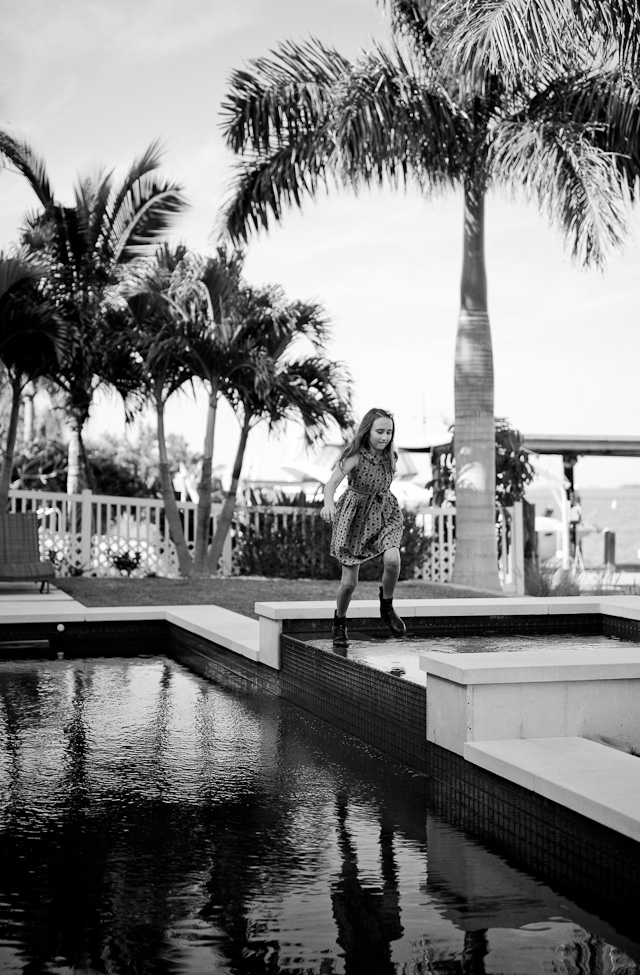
(368, 519)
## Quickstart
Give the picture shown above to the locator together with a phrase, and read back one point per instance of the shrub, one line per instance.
(546, 580)
(276, 546)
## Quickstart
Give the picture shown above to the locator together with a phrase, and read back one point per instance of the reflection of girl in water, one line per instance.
(368, 918)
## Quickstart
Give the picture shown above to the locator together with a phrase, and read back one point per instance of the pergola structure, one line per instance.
(570, 448)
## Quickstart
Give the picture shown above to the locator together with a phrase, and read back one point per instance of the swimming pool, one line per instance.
(152, 820)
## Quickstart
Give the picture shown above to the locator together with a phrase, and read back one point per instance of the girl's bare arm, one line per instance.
(338, 475)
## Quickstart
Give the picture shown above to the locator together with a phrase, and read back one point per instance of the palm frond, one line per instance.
(302, 125)
(143, 215)
(617, 23)
(312, 390)
(518, 36)
(265, 185)
(147, 163)
(509, 36)
(219, 276)
(574, 181)
(280, 98)
(394, 120)
(32, 167)
(34, 339)
(92, 205)
(412, 19)
(17, 269)
(608, 104)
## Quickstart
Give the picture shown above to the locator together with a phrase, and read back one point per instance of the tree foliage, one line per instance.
(514, 470)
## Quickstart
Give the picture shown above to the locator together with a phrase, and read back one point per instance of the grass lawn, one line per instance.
(238, 594)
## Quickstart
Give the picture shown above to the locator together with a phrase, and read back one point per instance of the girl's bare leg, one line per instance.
(348, 584)
(391, 572)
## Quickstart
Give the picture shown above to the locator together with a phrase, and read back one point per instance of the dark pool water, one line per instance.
(402, 656)
(151, 821)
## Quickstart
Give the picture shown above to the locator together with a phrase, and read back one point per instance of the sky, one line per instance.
(92, 83)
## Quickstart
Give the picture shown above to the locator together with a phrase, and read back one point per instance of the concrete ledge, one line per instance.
(620, 662)
(482, 606)
(598, 782)
(366, 608)
(36, 612)
(232, 631)
(122, 614)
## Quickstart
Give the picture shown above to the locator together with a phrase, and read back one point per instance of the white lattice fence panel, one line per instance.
(438, 525)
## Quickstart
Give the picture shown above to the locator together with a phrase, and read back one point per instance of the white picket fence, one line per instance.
(105, 536)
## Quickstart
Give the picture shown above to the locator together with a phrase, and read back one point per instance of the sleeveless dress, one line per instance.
(368, 519)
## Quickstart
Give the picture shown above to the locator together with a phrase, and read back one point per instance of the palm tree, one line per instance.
(306, 117)
(194, 318)
(179, 301)
(215, 353)
(274, 387)
(159, 348)
(33, 342)
(110, 224)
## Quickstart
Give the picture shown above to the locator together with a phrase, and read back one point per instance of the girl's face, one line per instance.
(381, 433)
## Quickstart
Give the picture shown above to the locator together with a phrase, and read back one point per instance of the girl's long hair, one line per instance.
(390, 454)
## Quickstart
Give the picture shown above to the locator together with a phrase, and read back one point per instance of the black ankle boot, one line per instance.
(339, 632)
(389, 615)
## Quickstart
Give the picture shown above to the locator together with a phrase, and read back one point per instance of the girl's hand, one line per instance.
(328, 513)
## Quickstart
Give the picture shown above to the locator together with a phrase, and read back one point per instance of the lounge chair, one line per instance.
(20, 551)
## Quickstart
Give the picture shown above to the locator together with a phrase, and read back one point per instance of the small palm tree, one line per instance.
(194, 319)
(273, 387)
(178, 302)
(110, 223)
(307, 117)
(33, 342)
(159, 350)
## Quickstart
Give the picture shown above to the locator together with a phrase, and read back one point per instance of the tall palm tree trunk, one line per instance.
(172, 514)
(76, 480)
(203, 520)
(79, 473)
(226, 515)
(476, 561)
(10, 445)
(28, 415)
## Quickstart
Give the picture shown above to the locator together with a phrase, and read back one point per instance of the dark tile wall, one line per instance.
(453, 625)
(100, 639)
(383, 710)
(587, 861)
(223, 666)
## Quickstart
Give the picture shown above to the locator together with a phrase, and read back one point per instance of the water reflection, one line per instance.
(367, 917)
(153, 822)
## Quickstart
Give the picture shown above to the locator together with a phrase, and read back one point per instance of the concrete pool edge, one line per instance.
(598, 782)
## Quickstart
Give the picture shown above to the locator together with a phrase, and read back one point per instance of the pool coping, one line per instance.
(592, 779)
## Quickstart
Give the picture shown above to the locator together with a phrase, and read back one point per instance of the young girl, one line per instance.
(366, 519)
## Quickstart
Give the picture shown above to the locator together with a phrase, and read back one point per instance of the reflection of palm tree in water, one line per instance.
(368, 919)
